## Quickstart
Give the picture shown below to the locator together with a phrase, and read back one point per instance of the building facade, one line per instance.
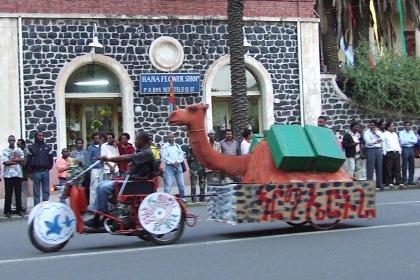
(48, 63)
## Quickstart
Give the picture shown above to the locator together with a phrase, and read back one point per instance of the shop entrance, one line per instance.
(84, 117)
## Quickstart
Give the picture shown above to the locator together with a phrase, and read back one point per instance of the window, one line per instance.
(92, 78)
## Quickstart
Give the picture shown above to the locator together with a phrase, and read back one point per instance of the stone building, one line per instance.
(53, 81)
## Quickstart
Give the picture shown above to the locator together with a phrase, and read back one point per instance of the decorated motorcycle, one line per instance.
(134, 209)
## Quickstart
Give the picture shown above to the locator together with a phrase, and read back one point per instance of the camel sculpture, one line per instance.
(255, 167)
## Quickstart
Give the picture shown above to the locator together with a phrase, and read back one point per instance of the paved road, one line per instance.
(385, 248)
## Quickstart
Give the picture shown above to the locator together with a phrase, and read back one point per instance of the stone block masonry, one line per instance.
(50, 43)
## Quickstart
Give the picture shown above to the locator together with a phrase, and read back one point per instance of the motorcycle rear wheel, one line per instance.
(170, 237)
(42, 246)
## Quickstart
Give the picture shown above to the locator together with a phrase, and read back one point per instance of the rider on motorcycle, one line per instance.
(142, 165)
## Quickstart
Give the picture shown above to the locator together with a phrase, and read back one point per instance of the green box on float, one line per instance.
(328, 156)
(290, 147)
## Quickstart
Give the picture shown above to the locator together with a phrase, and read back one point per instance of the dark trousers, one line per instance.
(11, 185)
(374, 160)
(199, 175)
(392, 168)
(407, 155)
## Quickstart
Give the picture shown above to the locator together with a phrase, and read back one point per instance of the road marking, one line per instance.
(216, 242)
(398, 202)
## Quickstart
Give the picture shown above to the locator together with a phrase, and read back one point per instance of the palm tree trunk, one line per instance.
(329, 39)
(235, 11)
(362, 18)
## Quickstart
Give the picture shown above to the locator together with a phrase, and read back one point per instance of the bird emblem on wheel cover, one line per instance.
(53, 227)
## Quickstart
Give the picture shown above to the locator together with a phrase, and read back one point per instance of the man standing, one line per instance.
(173, 156)
(214, 177)
(22, 145)
(229, 145)
(246, 142)
(322, 121)
(79, 154)
(391, 150)
(11, 159)
(40, 162)
(407, 140)
(96, 174)
(351, 145)
(124, 148)
(62, 165)
(374, 157)
(110, 149)
(212, 139)
(196, 173)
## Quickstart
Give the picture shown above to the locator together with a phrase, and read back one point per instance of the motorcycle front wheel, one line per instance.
(170, 237)
(42, 246)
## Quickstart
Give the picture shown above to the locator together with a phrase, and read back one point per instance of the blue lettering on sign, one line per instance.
(158, 83)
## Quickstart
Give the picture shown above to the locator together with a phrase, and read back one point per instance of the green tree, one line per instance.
(235, 11)
(391, 86)
(351, 19)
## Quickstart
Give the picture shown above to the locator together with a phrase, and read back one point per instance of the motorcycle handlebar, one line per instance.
(90, 167)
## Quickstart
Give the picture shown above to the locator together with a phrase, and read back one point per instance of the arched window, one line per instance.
(92, 78)
(93, 103)
(222, 104)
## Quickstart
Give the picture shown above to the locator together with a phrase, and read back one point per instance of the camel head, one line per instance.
(191, 116)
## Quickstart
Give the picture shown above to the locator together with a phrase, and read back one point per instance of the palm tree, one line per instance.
(235, 11)
(328, 28)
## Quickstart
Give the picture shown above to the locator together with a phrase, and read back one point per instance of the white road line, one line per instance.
(216, 242)
(398, 202)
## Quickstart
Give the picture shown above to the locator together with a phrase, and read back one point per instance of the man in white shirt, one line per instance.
(109, 150)
(246, 142)
(391, 151)
(173, 156)
(374, 157)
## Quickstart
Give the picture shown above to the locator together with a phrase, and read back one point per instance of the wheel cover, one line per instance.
(54, 223)
(159, 213)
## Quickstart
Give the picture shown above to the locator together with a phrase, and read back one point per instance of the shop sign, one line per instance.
(158, 83)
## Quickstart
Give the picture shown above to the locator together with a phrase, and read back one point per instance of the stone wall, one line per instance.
(341, 112)
(50, 43)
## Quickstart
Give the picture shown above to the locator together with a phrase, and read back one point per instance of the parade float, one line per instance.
(292, 174)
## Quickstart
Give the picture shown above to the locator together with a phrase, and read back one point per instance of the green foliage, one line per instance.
(392, 85)
(96, 125)
(105, 112)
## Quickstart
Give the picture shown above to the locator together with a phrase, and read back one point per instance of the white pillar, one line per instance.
(9, 77)
(310, 67)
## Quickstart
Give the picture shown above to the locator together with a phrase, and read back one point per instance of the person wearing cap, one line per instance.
(212, 139)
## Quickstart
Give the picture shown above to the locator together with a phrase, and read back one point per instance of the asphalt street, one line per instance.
(385, 248)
